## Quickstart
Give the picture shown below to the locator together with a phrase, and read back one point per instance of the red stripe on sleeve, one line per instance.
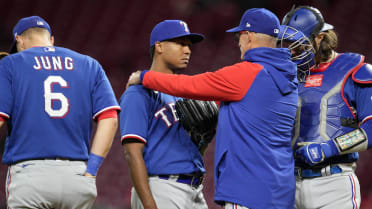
(2, 119)
(226, 84)
(131, 136)
(110, 113)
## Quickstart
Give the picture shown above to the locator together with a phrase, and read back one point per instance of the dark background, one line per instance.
(116, 33)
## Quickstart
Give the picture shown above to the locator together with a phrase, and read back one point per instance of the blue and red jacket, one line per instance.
(254, 163)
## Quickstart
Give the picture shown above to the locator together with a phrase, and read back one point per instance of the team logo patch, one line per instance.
(185, 26)
(313, 80)
(39, 23)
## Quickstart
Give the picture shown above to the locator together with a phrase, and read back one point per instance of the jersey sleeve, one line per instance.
(110, 113)
(360, 96)
(364, 109)
(6, 91)
(102, 94)
(134, 115)
(227, 84)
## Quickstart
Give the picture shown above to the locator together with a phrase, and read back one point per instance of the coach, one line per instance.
(253, 156)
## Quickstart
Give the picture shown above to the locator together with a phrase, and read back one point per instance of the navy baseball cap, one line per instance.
(258, 20)
(169, 29)
(24, 24)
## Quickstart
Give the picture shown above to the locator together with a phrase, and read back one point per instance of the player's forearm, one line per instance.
(314, 153)
(355, 141)
(102, 142)
(1, 123)
(139, 177)
(104, 136)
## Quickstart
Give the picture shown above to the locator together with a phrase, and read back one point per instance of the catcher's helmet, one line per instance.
(302, 50)
(308, 20)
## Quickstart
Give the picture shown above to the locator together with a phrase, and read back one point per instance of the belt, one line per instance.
(192, 180)
(317, 172)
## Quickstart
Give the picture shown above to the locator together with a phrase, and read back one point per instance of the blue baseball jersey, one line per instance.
(50, 96)
(150, 117)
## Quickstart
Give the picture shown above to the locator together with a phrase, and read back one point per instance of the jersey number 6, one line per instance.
(50, 97)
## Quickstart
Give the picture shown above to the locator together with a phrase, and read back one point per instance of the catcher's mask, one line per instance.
(301, 48)
(308, 20)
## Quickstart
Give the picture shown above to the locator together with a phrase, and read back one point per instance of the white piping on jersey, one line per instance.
(4, 114)
(104, 109)
(133, 136)
(365, 119)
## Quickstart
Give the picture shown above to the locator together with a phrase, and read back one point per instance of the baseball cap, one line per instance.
(169, 29)
(258, 20)
(24, 24)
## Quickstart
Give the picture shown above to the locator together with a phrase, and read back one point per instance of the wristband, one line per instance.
(94, 162)
(350, 140)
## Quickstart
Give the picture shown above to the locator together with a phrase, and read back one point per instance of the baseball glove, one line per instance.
(199, 119)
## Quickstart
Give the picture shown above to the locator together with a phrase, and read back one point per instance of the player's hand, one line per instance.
(134, 78)
(89, 175)
(311, 154)
(315, 153)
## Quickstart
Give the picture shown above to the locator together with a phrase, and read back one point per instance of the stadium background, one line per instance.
(116, 33)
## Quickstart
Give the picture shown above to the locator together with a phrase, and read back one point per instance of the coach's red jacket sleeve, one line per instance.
(227, 84)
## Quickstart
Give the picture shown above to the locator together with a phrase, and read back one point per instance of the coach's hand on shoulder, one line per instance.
(134, 78)
(315, 153)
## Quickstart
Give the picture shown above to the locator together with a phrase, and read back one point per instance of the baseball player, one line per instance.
(333, 119)
(48, 98)
(166, 167)
(253, 154)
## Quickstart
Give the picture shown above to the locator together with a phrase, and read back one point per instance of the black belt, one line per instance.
(317, 172)
(192, 180)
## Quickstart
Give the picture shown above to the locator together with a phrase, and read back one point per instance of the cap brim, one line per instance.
(196, 37)
(234, 30)
(13, 48)
(326, 27)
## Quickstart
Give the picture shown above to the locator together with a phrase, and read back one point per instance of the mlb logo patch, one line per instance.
(49, 49)
(314, 80)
